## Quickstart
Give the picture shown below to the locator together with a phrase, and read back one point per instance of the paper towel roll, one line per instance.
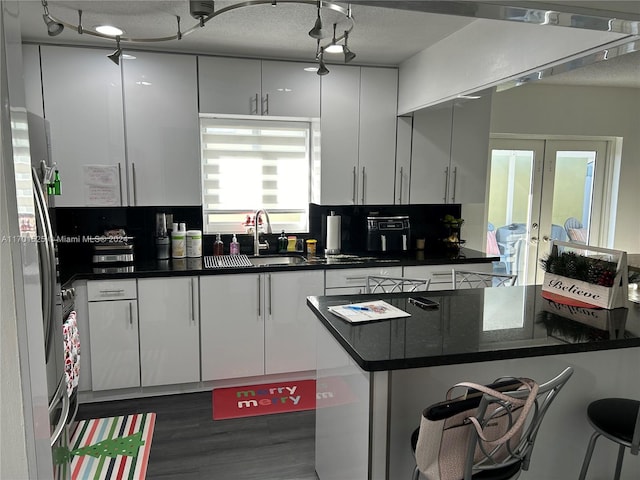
(333, 234)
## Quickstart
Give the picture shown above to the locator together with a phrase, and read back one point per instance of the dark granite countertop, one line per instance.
(476, 325)
(194, 266)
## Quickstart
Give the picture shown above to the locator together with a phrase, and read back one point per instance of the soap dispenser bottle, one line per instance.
(234, 247)
(282, 243)
(218, 246)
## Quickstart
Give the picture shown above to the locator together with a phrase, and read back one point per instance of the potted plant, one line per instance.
(452, 226)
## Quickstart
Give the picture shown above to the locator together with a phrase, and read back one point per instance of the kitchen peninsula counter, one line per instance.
(392, 369)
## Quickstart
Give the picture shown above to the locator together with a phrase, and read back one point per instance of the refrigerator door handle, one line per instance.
(61, 392)
(48, 262)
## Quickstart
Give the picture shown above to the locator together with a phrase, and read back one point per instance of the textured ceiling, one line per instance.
(382, 36)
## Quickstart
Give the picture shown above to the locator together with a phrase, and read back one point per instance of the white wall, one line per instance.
(484, 53)
(597, 111)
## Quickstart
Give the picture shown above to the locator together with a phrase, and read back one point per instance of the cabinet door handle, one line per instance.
(251, 110)
(363, 185)
(270, 297)
(446, 184)
(400, 195)
(131, 313)
(265, 105)
(119, 291)
(191, 301)
(135, 192)
(259, 296)
(120, 182)
(194, 296)
(455, 181)
(355, 185)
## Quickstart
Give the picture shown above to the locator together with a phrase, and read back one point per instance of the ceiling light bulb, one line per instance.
(333, 48)
(109, 30)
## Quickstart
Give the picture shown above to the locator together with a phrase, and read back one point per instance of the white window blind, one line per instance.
(251, 163)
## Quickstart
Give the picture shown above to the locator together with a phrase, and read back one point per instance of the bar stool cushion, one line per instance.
(611, 416)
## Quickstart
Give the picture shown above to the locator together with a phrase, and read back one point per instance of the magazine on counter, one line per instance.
(367, 311)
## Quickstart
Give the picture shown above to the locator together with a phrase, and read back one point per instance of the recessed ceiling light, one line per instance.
(310, 69)
(109, 30)
(126, 56)
(285, 89)
(144, 83)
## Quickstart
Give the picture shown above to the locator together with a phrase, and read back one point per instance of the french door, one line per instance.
(543, 190)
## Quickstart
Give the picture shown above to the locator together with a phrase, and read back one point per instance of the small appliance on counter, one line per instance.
(388, 234)
(114, 248)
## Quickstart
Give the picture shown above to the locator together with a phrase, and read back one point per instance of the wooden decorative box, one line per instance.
(570, 291)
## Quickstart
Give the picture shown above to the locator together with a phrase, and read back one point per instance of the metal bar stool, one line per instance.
(618, 419)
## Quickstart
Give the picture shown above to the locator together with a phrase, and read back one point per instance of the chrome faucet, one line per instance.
(257, 246)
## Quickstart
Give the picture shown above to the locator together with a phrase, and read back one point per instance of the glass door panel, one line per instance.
(539, 191)
(515, 172)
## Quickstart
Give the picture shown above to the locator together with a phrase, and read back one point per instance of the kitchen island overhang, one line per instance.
(397, 367)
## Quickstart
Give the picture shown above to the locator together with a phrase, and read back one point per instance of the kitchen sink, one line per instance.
(278, 260)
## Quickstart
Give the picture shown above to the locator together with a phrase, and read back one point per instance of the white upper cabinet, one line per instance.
(229, 85)
(257, 87)
(162, 136)
(32, 79)
(450, 152)
(403, 160)
(431, 155)
(358, 142)
(378, 107)
(470, 151)
(288, 90)
(339, 124)
(83, 102)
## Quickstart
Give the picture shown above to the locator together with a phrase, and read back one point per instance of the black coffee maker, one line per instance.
(388, 234)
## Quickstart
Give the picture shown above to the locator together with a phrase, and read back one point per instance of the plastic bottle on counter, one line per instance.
(234, 247)
(178, 241)
(194, 243)
(218, 246)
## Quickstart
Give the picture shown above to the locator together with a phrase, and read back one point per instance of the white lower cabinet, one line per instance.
(232, 326)
(350, 281)
(169, 330)
(440, 275)
(257, 324)
(113, 332)
(290, 326)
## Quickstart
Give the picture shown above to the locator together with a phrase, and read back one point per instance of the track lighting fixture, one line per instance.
(322, 68)
(53, 26)
(348, 54)
(204, 11)
(317, 30)
(115, 56)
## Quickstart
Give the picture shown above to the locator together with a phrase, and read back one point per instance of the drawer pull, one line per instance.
(120, 291)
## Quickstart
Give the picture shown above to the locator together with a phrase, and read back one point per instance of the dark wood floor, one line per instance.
(188, 444)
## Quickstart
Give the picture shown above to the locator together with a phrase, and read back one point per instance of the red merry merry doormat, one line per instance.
(263, 399)
(280, 397)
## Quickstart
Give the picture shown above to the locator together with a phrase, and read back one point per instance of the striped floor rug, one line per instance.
(112, 448)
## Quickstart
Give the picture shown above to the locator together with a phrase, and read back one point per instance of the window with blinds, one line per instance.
(249, 164)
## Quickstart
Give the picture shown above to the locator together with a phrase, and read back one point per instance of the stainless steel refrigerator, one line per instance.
(61, 338)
